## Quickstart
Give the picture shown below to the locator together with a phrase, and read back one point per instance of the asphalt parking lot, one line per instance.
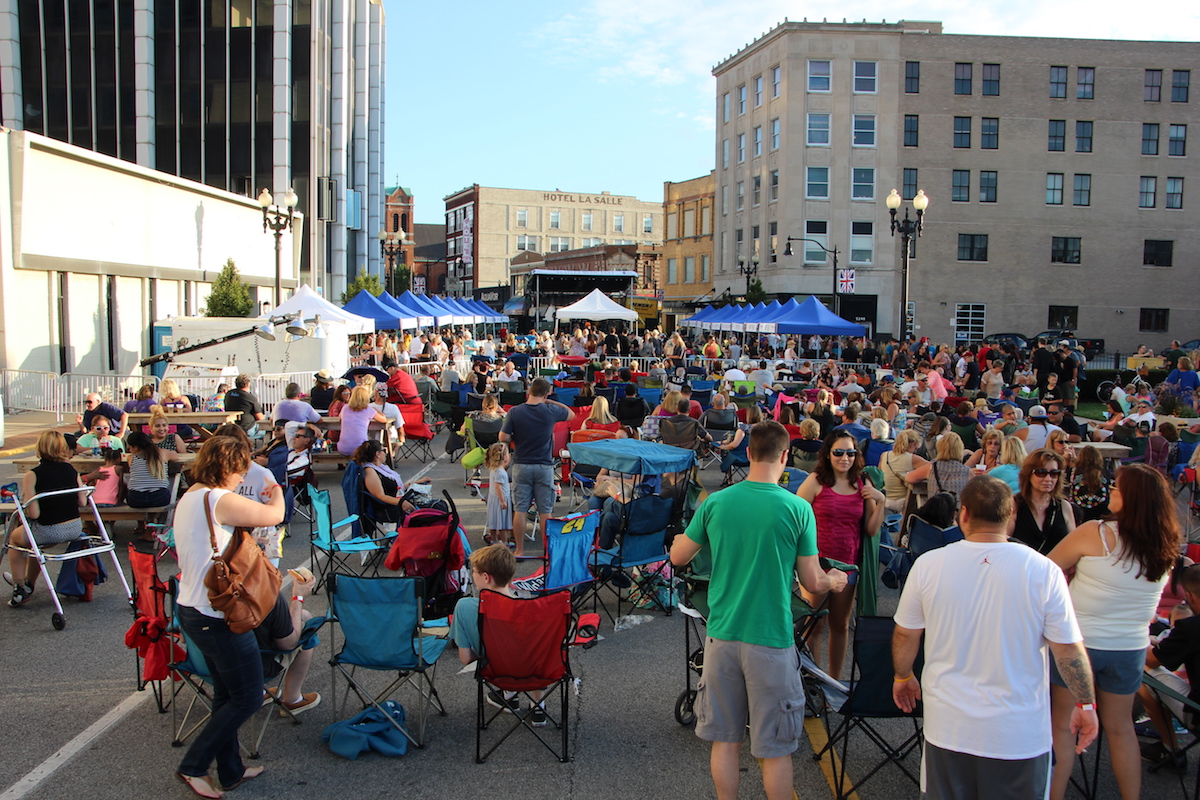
(76, 726)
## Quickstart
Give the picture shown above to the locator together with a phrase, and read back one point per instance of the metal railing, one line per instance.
(31, 390)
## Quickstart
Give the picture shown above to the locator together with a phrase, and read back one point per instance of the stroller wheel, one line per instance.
(684, 713)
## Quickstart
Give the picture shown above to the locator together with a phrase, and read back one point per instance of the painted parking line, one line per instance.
(815, 729)
(42, 771)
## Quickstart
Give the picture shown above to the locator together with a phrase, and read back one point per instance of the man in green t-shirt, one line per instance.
(1173, 355)
(761, 537)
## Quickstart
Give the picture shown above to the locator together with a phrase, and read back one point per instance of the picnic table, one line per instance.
(192, 418)
(86, 462)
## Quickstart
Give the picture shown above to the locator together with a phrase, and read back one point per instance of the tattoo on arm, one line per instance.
(1077, 672)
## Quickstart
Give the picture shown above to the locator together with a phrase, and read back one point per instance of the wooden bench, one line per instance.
(123, 513)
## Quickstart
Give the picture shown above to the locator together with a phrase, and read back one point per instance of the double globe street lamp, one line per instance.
(277, 220)
(392, 245)
(909, 228)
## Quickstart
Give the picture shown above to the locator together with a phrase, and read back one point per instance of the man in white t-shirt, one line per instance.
(392, 412)
(988, 609)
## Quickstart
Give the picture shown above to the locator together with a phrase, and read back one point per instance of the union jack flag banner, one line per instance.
(845, 281)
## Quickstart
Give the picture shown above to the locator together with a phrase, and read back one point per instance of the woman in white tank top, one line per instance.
(1121, 565)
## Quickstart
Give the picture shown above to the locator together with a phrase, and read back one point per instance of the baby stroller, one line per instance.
(430, 543)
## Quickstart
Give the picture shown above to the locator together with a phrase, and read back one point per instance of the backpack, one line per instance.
(1158, 452)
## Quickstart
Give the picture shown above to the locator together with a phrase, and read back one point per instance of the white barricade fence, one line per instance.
(115, 389)
(30, 390)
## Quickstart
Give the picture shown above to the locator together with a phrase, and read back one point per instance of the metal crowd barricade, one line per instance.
(115, 389)
(31, 390)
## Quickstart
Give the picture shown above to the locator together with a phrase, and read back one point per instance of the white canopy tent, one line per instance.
(596, 306)
(308, 304)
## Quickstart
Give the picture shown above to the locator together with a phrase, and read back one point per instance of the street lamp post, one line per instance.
(277, 220)
(392, 245)
(908, 229)
(787, 252)
(749, 270)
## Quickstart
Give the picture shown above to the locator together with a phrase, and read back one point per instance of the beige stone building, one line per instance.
(1056, 170)
(687, 274)
(486, 227)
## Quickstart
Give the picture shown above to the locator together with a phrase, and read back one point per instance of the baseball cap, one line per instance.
(1038, 412)
(1064, 343)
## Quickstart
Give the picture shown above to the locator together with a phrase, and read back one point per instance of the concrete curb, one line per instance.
(16, 451)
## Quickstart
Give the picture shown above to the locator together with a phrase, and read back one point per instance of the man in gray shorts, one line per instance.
(761, 537)
(530, 427)
(988, 610)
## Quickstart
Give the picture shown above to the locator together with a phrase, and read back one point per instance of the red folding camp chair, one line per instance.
(149, 637)
(418, 435)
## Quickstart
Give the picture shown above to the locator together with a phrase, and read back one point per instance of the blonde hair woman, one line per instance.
(600, 419)
(947, 472)
(896, 464)
(988, 453)
(357, 416)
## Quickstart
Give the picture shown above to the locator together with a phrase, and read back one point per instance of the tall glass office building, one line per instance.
(237, 94)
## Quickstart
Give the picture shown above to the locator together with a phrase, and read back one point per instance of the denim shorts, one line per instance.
(1115, 671)
(533, 483)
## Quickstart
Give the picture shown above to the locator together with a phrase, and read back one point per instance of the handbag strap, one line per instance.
(208, 515)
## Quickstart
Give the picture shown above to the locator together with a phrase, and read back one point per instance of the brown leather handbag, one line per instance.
(242, 582)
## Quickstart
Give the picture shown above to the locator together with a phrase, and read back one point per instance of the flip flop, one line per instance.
(249, 773)
(188, 781)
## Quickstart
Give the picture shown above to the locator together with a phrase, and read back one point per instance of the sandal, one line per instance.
(487, 539)
(199, 784)
(249, 773)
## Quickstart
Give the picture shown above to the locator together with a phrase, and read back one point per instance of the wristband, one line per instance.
(902, 680)
(298, 597)
(1086, 706)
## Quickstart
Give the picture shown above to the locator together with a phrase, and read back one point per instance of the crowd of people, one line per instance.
(988, 435)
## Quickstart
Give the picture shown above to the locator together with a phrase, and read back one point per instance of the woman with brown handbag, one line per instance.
(205, 519)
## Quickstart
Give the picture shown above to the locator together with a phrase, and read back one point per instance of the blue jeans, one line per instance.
(237, 675)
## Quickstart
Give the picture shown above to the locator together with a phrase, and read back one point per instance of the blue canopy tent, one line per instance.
(699, 317)
(813, 317)
(425, 318)
(368, 305)
(407, 320)
(457, 317)
(440, 315)
(471, 315)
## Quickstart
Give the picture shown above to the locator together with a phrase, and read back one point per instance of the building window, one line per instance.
(559, 244)
(1149, 138)
(555, 219)
(987, 186)
(817, 183)
(1083, 136)
(962, 78)
(1174, 192)
(960, 186)
(1083, 190)
(756, 190)
(619, 223)
(962, 131)
(912, 77)
(864, 77)
(725, 108)
(592, 242)
(820, 75)
(672, 276)
(776, 81)
(1085, 84)
(528, 243)
(863, 183)
(754, 249)
(1147, 192)
(1158, 252)
(818, 230)
(705, 270)
(862, 242)
(1177, 140)
(774, 184)
(689, 223)
(737, 244)
(818, 129)
(909, 186)
(773, 232)
(739, 196)
(864, 130)
(1153, 90)
(912, 130)
(1057, 135)
(989, 133)
(991, 79)
(585, 220)
(723, 252)
(1154, 320)
(1058, 81)
(522, 218)
(1064, 249)
(647, 223)
(758, 86)
(1054, 188)
(689, 267)
(775, 134)
(757, 141)
(1180, 79)
(725, 199)
(725, 153)
(741, 99)
(1063, 317)
(972, 246)
(741, 148)
(969, 321)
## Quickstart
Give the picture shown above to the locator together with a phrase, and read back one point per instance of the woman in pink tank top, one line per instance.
(840, 499)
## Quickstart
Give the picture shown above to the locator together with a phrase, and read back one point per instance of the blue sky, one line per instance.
(613, 95)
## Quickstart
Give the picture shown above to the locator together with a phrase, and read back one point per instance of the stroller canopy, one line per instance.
(632, 456)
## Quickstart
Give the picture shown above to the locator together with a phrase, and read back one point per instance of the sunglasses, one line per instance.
(843, 453)
(1047, 473)
(100, 428)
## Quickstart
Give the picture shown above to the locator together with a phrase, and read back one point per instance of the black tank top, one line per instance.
(53, 476)
(1044, 539)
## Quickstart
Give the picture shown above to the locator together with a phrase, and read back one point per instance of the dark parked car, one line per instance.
(1090, 347)
(998, 339)
(1188, 347)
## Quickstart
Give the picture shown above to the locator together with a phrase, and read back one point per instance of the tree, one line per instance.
(756, 293)
(401, 279)
(230, 296)
(363, 282)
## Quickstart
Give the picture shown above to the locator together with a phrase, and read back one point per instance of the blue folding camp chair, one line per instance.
(339, 553)
(382, 630)
(569, 543)
(792, 478)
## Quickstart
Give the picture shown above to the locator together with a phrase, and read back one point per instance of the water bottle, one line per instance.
(96, 451)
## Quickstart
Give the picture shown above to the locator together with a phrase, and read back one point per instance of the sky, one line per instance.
(617, 96)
